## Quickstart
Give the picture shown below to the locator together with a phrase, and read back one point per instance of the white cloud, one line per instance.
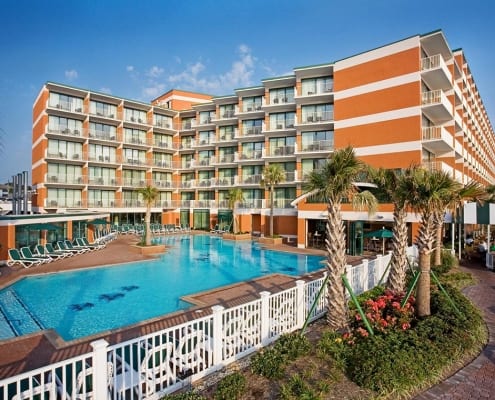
(239, 74)
(154, 72)
(154, 91)
(106, 90)
(71, 74)
(129, 68)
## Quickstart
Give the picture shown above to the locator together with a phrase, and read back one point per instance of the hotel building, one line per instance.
(411, 101)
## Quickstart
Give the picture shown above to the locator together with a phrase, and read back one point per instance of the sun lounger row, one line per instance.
(156, 229)
(42, 254)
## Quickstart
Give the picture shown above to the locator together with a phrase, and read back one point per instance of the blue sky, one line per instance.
(140, 49)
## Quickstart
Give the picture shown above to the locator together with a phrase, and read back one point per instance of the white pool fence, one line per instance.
(162, 362)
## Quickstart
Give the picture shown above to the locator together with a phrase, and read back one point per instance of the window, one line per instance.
(250, 104)
(100, 153)
(162, 121)
(206, 137)
(252, 150)
(132, 115)
(102, 176)
(317, 140)
(282, 95)
(252, 126)
(162, 160)
(227, 132)
(133, 177)
(65, 150)
(64, 102)
(64, 125)
(134, 156)
(282, 120)
(163, 141)
(227, 111)
(135, 136)
(101, 198)
(205, 156)
(317, 113)
(64, 197)
(313, 86)
(205, 117)
(102, 131)
(64, 173)
(102, 109)
(312, 164)
(282, 145)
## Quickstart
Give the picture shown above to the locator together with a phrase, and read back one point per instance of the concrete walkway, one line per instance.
(477, 379)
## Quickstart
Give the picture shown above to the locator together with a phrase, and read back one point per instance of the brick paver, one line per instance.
(477, 379)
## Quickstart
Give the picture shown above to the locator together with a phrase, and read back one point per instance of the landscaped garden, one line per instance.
(402, 357)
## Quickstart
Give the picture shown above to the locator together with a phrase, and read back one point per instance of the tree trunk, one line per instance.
(271, 210)
(147, 219)
(398, 262)
(426, 234)
(337, 312)
(423, 293)
(438, 245)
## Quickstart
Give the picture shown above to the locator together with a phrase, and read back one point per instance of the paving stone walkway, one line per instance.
(477, 379)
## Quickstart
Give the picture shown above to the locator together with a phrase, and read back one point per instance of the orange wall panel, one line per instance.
(40, 105)
(395, 160)
(378, 133)
(394, 98)
(396, 64)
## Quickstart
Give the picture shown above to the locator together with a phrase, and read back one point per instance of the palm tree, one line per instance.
(391, 184)
(235, 196)
(472, 191)
(149, 195)
(333, 182)
(429, 192)
(273, 174)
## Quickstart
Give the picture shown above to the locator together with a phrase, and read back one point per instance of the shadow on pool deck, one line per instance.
(38, 349)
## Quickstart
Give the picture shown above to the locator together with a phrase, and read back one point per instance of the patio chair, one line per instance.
(78, 242)
(71, 246)
(49, 247)
(63, 247)
(41, 251)
(85, 242)
(15, 257)
(26, 253)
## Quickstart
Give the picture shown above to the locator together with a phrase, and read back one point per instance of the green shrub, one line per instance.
(268, 363)
(231, 387)
(459, 280)
(403, 360)
(293, 346)
(448, 261)
(184, 396)
(297, 389)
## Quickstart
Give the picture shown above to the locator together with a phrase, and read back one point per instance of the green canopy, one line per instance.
(43, 227)
(98, 221)
(379, 234)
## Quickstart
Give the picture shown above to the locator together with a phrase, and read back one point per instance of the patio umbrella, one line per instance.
(380, 234)
(98, 221)
(43, 226)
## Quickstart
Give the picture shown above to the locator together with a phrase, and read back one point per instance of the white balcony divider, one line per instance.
(165, 361)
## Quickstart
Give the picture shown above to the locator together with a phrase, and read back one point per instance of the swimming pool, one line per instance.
(85, 302)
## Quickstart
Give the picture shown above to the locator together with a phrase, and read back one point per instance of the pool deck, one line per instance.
(38, 349)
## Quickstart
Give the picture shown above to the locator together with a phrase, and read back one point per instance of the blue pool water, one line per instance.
(85, 302)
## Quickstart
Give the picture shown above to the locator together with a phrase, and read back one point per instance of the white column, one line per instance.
(265, 318)
(217, 334)
(300, 304)
(100, 370)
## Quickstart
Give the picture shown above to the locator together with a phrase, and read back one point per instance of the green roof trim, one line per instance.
(275, 78)
(330, 64)
(430, 33)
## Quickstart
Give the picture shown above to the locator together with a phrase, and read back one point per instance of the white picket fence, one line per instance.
(162, 362)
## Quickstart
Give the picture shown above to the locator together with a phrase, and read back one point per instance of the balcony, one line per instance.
(101, 203)
(162, 184)
(205, 162)
(162, 145)
(256, 155)
(102, 159)
(162, 164)
(225, 181)
(67, 106)
(437, 140)
(316, 147)
(251, 179)
(102, 135)
(435, 72)
(436, 106)
(64, 131)
(282, 125)
(282, 151)
(250, 132)
(322, 92)
(188, 125)
(317, 118)
(64, 180)
(62, 203)
(438, 166)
